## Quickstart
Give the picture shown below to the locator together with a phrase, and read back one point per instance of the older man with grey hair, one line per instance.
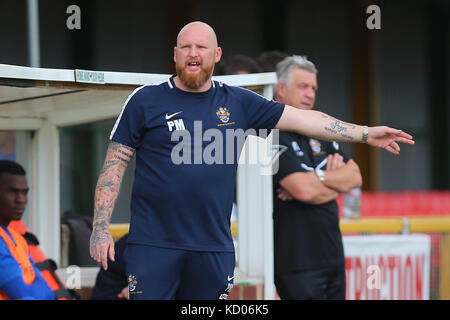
(309, 255)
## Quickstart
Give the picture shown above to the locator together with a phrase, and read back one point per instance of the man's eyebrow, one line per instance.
(306, 83)
(198, 44)
(19, 189)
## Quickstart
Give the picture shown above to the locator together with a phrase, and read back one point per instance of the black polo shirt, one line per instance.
(305, 236)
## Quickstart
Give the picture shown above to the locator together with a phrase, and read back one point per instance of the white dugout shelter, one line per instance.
(39, 102)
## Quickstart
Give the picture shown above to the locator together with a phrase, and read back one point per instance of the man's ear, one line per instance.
(281, 89)
(175, 54)
(218, 54)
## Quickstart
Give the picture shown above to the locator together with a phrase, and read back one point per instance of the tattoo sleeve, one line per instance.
(118, 157)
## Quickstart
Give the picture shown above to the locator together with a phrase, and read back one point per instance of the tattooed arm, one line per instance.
(322, 126)
(108, 185)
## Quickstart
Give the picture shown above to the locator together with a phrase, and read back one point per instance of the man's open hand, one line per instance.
(388, 138)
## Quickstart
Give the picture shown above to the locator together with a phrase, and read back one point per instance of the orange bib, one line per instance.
(45, 266)
(21, 254)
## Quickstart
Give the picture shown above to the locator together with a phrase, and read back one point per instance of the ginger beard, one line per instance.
(194, 80)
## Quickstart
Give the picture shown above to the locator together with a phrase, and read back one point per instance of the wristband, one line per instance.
(365, 134)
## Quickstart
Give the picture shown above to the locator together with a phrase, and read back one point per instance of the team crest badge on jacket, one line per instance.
(132, 282)
(315, 145)
(223, 114)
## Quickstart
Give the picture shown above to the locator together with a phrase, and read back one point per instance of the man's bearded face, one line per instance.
(194, 72)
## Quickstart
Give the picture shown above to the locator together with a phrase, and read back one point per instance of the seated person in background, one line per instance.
(19, 276)
(237, 64)
(268, 60)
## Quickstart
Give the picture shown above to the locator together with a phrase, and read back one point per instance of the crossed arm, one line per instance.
(306, 187)
(340, 177)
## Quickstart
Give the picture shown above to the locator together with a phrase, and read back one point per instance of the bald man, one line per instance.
(180, 244)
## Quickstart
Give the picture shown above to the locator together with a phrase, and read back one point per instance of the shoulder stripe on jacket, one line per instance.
(123, 108)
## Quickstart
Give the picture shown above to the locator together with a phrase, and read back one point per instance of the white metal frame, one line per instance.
(100, 101)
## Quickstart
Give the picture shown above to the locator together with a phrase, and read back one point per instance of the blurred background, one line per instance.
(397, 75)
